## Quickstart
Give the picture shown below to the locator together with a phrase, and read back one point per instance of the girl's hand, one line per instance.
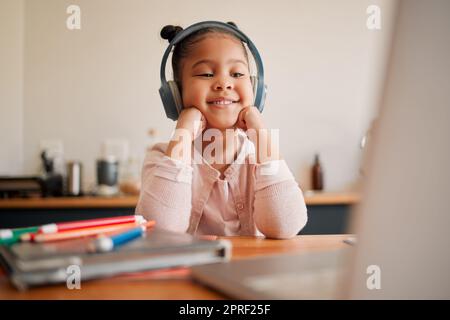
(190, 125)
(193, 120)
(250, 118)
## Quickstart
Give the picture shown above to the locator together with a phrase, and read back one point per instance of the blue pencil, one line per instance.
(106, 244)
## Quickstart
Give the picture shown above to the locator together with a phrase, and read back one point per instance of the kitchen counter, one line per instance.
(316, 198)
(71, 202)
(328, 212)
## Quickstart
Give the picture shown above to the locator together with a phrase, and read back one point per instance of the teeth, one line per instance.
(222, 102)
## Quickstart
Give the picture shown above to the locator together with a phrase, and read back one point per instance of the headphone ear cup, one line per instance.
(171, 99)
(168, 102)
(176, 96)
(254, 81)
(263, 100)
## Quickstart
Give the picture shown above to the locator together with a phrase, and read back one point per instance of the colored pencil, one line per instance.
(79, 233)
(106, 244)
(11, 236)
(74, 225)
(9, 241)
(147, 225)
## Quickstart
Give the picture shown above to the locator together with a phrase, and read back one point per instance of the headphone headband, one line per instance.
(260, 89)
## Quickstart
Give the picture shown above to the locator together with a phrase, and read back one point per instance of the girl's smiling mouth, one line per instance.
(221, 102)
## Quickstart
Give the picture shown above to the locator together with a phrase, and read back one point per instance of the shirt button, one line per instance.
(240, 206)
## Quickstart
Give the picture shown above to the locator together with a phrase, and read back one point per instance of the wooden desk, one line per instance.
(141, 287)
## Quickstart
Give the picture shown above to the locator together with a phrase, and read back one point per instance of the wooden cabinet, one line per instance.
(329, 213)
(28, 212)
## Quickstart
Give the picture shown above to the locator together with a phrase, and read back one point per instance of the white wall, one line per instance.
(11, 86)
(323, 66)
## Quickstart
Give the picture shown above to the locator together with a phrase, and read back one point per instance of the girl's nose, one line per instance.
(223, 84)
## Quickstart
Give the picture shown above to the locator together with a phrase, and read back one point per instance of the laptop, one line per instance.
(403, 221)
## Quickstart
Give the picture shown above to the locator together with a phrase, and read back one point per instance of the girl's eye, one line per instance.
(208, 75)
(237, 74)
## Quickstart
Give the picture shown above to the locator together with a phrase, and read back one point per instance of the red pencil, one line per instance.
(82, 232)
(80, 224)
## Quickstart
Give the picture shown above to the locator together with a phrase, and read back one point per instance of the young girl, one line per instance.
(210, 197)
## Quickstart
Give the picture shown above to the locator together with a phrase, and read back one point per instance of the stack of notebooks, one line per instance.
(37, 263)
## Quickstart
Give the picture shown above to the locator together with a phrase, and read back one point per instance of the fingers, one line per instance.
(204, 122)
(241, 123)
(200, 124)
(192, 119)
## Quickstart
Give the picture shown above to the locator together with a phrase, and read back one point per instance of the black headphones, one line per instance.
(169, 91)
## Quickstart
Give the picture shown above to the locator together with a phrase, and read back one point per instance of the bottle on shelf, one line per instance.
(317, 174)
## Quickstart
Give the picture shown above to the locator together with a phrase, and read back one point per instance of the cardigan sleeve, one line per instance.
(166, 190)
(279, 207)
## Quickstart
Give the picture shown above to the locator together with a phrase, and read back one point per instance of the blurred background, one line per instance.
(77, 93)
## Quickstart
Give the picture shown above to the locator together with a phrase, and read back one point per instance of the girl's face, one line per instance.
(216, 80)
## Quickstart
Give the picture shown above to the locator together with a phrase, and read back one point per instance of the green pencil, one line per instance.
(10, 236)
(10, 241)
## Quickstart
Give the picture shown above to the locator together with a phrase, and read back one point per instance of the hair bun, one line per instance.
(169, 32)
(231, 23)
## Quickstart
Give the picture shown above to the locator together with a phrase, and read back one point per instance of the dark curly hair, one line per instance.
(183, 48)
